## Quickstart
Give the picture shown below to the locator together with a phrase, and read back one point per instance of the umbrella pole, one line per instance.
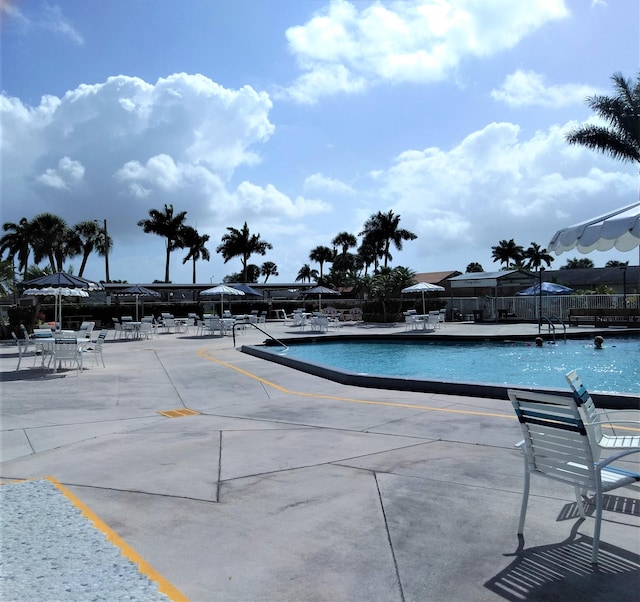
(423, 306)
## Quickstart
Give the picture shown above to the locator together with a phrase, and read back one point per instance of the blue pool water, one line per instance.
(614, 368)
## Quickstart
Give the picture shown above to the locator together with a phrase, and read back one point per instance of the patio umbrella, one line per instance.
(137, 291)
(247, 290)
(220, 291)
(619, 229)
(59, 284)
(423, 287)
(57, 292)
(62, 279)
(320, 290)
(548, 288)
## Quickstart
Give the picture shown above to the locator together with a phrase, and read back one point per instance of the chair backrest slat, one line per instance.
(556, 443)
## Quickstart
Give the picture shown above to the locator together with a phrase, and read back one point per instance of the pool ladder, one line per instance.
(551, 326)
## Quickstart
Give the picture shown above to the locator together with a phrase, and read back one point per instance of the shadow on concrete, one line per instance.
(564, 572)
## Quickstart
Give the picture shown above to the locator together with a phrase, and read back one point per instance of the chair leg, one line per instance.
(578, 492)
(525, 500)
(596, 528)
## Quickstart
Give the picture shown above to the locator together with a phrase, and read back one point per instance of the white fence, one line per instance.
(526, 308)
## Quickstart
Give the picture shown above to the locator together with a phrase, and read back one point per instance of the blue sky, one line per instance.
(304, 118)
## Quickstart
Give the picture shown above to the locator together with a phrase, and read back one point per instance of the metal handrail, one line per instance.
(551, 325)
(233, 332)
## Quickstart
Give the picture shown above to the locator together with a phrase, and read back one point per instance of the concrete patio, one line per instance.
(287, 487)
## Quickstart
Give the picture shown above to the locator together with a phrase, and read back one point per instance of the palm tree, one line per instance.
(536, 256)
(345, 240)
(620, 137)
(16, 242)
(306, 273)
(196, 245)
(614, 263)
(91, 239)
(268, 268)
(474, 266)
(53, 239)
(170, 226)
(243, 244)
(321, 255)
(368, 254)
(7, 277)
(506, 251)
(576, 264)
(383, 229)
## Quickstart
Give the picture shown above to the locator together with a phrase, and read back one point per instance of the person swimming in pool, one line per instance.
(597, 342)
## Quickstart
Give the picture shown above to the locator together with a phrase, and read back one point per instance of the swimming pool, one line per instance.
(483, 369)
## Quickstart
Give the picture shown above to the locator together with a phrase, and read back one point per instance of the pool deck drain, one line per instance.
(179, 413)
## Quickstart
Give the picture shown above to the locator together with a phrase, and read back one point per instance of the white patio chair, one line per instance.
(146, 330)
(23, 344)
(40, 336)
(557, 446)
(409, 321)
(618, 424)
(66, 350)
(96, 348)
(169, 324)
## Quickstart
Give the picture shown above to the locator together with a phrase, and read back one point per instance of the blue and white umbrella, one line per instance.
(548, 288)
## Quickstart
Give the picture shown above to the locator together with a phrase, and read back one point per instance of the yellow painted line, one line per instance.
(203, 353)
(127, 551)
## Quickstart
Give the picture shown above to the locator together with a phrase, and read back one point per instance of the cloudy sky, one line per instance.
(305, 117)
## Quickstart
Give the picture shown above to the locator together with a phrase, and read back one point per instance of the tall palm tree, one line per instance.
(16, 242)
(91, 239)
(306, 273)
(196, 245)
(51, 238)
(345, 241)
(268, 268)
(507, 251)
(321, 255)
(536, 256)
(168, 225)
(243, 244)
(620, 137)
(383, 229)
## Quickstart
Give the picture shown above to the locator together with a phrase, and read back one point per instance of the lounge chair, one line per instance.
(621, 433)
(557, 446)
(85, 330)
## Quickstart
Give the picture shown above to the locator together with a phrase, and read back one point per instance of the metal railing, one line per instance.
(248, 323)
(551, 326)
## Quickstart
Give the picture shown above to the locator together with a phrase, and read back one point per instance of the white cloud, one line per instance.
(322, 183)
(346, 48)
(68, 173)
(526, 88)
(55, 21)
(269, 202)
(141, 145)
(494, 184)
